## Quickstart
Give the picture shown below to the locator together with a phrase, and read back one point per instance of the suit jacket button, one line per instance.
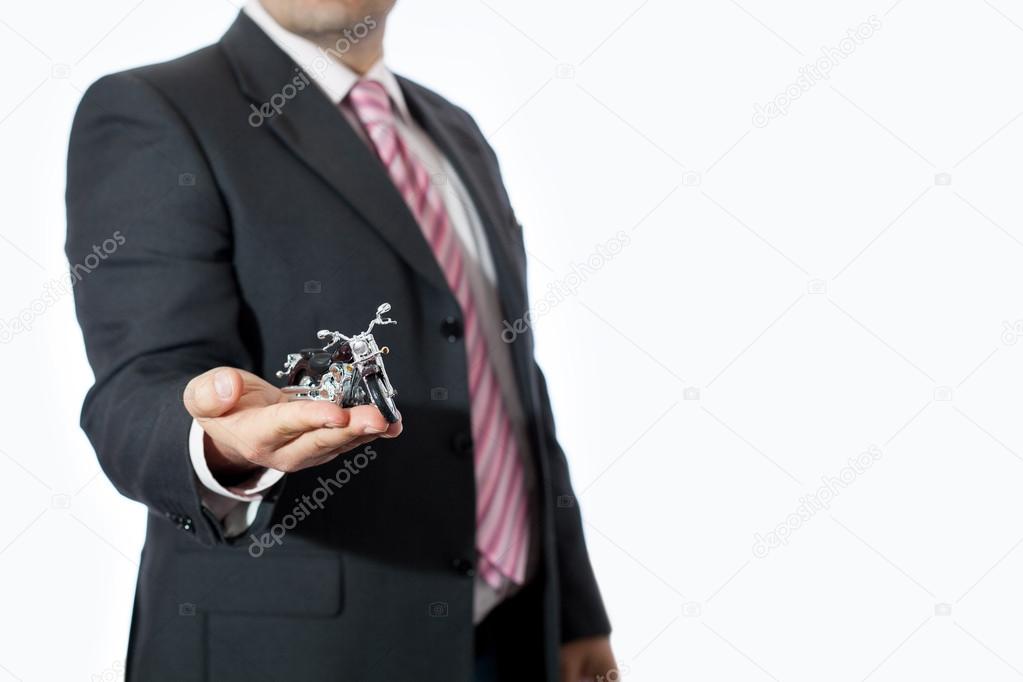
(451, 328)
(461, 444)
(464, 566)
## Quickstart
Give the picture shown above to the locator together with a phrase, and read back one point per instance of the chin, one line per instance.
(330, 16)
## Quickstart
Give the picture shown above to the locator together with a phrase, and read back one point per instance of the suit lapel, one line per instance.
(472, 171)
(315, 130)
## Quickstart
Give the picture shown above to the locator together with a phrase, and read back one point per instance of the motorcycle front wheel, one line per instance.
(381, 398)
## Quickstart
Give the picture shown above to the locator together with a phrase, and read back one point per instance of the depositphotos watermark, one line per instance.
(1012, 332)
(307, 504)
(819, 500)
(614, 674)
(814, 72)
(564, 287)
(59, 287)
(275, 105)
(113, 673)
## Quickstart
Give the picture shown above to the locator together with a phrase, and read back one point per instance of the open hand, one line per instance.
(250, 424)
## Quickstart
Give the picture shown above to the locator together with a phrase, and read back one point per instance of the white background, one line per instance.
(845, 277)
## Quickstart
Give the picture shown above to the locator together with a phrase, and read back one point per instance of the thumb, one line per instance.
(213, 393)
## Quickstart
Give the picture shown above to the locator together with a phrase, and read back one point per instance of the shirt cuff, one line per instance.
(251, 490)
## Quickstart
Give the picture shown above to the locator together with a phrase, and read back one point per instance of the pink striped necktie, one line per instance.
(502, 523)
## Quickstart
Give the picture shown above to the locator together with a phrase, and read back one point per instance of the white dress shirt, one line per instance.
(236, 506)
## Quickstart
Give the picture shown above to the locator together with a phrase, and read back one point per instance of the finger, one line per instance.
(325, 455)
(297, 434)
(316, 448)
(255, 432)
(357, 443)
(349, 447)
(393, 430)
(368, 420)
(287, 420)
(365, 423)
(213, 393)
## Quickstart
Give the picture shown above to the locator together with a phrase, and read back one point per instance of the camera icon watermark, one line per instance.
(438, 393)
(186, 609)
(691, 179)
(60, 70)
(186, 180)
(60, 501)
(692, 609)
(943, 609)
(691, 393)
(817, 286)
(943, 394)
(942, 179)
(312, 286)
(437, 609)
(565, 502)
(564, 71)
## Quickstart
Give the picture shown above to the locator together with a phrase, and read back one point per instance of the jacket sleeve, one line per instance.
(582, 609)
(149, 246)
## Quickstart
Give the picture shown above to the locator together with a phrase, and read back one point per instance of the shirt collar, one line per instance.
(333, 77)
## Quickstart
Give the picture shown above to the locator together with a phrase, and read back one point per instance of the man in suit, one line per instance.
(279, 182)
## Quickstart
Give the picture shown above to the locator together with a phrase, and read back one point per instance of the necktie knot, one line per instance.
(371, 105)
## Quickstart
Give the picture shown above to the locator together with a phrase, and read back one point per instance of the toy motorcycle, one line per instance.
(348, 371)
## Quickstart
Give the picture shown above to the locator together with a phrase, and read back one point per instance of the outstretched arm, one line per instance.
(149, 240)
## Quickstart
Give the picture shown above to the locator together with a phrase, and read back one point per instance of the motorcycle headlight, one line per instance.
(360, 347)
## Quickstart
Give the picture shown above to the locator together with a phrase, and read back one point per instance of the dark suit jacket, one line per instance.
(239, 241)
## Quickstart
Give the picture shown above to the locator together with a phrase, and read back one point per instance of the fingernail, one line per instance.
(333, 425)
(222, 385)
(369, 428)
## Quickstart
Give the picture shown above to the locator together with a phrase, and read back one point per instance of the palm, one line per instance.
(251, 424)
(256, 394)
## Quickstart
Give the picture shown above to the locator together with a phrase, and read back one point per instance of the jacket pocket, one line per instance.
(292, 585)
